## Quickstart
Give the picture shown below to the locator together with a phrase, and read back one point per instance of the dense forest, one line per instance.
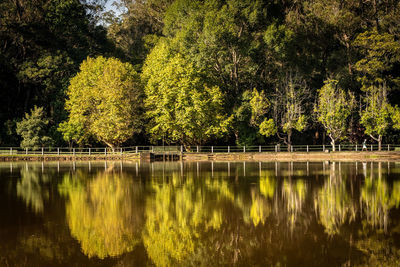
(194, 72)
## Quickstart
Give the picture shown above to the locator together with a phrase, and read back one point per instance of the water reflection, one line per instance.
(32, 188)
(207, 213)
(104, 212)
(378, 198)
(333, 203)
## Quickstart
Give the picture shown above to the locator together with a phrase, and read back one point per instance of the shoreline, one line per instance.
(249, 156)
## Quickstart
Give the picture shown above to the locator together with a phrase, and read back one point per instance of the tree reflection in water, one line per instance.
(183, 214)
(33, 187)
(333, 202)
(377, 199)
(104, 213)
(261, 202)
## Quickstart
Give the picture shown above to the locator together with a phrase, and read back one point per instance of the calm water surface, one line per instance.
(200, 214)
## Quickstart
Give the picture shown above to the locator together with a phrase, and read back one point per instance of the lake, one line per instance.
(200, 214)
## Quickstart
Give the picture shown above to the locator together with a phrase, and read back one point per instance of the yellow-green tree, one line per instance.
(181, 105)
(333, 108)
(378, 115)
(288, 106)
(381, 52)
(104, 99)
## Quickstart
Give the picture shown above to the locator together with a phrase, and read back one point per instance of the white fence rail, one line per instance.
(191, 149)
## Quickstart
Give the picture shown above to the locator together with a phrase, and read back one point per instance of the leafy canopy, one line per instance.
(180, 104)
(333, 108)
(378, 115)
(104, 99)
(32, 129)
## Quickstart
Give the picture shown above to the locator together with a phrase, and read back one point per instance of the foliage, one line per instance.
(72, 133)
(43, 43)
(181, 106)
(268, 127)
(104, 99)
(333, 109)
(32, 129)
(382, 51)
(259, 106)
(247, 115)
(289, 108)
(138, 28)
(378, 115)
(230, 48)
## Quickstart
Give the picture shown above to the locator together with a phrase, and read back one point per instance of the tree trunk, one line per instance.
(289, 141)
(379, 142)
(112, 146)
(333, 144)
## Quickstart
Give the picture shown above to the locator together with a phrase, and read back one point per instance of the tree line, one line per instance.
(199, 72)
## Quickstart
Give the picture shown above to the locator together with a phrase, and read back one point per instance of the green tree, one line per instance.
(137, 29)
(247, 117)
(288, 106)
(72, 132)
(180, 104)
(105, 98)
(378, 115)
(381, 52)
(43, 43)
(333, 108)
(32, 129)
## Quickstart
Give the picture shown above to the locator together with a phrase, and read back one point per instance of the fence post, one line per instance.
(90, 152)
(323, 148)
(105, 151)
(356, 148)
(291, 148)
(181, 149)
(197, 149)
(307, 148)
(212, 149)
(10, 150)
(388, 147)
(339, 147)
(276, 149)
(259, 149)
(26, 151)
(58, 151)
(244, 149)
(136, 150)
(42, 151)
(73, 151)
(229, 149)
(372, 148)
